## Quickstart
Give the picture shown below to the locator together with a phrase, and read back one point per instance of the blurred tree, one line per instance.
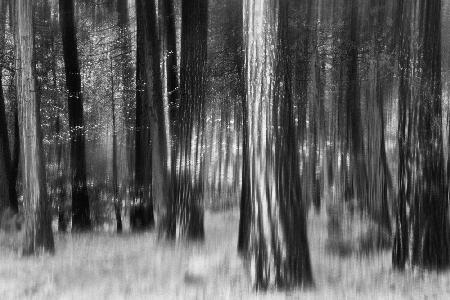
(80, 201)
(38, 236)
(186, 211)
(278, 252)
(8, 195)
(421, 236)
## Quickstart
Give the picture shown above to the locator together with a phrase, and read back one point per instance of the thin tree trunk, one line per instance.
(116, 200)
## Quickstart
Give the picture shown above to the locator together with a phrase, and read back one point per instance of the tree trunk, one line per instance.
(422, 235)
(186, 217)
(8, 195)
(38, 235)
(126, 68)
(278, 252)
(116, 199)
(154, 106)
(80, 201)
(143, 167)
(378, 173)
(169, 50)
(4, 141)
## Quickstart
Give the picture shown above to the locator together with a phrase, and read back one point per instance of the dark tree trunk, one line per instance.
(354, 123)
(186, 217)
(80, 201)
(278, 252)
(143, 168)
(38, 235)
(8, 195)
(115, 188)
(422, 235)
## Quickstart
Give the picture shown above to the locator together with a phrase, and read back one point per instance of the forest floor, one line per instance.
(139, 266)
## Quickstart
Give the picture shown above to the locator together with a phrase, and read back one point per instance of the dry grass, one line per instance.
(138, 266)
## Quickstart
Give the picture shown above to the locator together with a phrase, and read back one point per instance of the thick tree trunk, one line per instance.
(278, 252)
(38, 235)
(422, 235)
(80, 201)
(143, 167)
(187, 211)
(154, 106)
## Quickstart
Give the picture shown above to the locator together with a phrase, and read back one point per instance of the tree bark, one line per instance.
(422, 235)
(8, 195)
(186, 216)
(80, 201)
(278, 253)
(38, 235)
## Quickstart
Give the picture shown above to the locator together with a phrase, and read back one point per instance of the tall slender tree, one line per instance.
(38, 235)
(80, 201)
(278, 251)
(8, 195)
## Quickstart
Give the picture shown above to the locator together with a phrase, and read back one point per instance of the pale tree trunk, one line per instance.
(278, 253)
(126, 68)
(38, 235)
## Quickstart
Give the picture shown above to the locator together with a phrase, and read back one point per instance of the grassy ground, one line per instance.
(138, 266)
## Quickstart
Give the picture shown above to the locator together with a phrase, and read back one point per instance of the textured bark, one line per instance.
(4, 141)
(278, 253)
(80, 201)
(8, 195)
(186, 216)
(379, 177)
(38, 236)
(154, 107)
(422, 234)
